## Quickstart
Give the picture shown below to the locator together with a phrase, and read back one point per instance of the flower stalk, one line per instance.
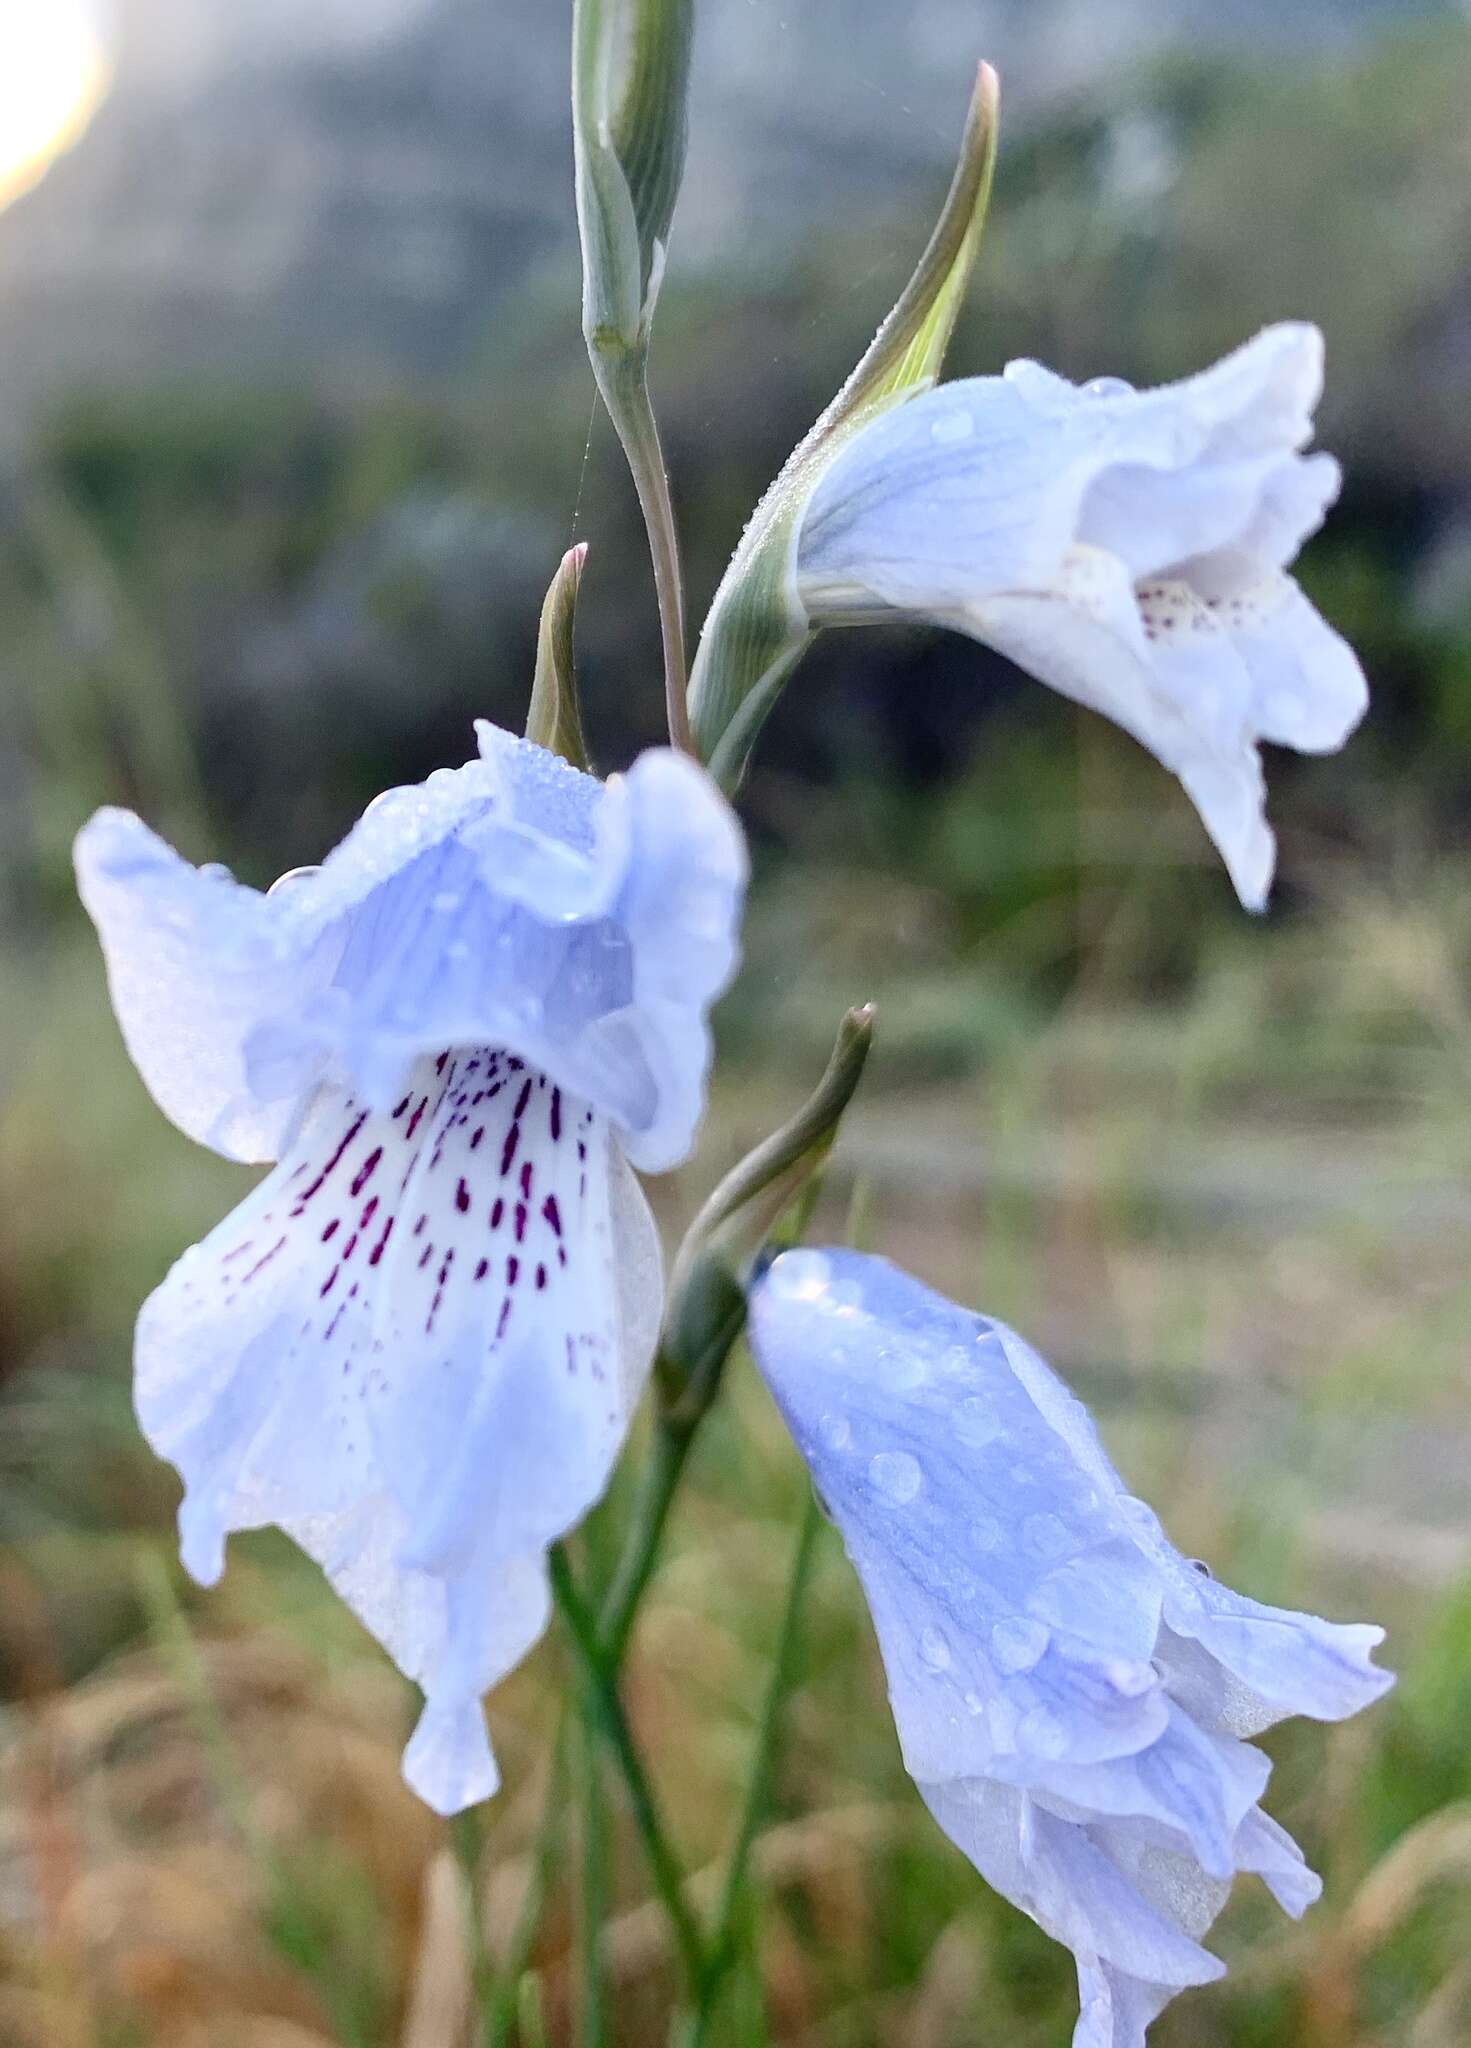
(630, 83)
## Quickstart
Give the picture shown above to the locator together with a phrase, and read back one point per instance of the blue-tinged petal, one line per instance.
(195, 965)
(416, 1347)
(1069, 1690)
(1016, 1616)
(512, 902)
(1268, 1851)
(1070, 1884)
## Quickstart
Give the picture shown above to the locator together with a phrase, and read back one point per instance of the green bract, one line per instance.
(757, 629)
(554, 718)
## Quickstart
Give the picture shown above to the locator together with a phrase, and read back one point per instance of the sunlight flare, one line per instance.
(53, 74)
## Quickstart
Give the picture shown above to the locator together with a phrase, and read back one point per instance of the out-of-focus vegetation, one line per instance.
(1217, 1168)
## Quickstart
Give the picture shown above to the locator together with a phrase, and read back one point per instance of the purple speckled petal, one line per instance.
(416, 1346)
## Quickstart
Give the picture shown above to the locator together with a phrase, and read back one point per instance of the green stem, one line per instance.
(722, 1942)
(592, 1903)
(466, 1842)
(622, 375)
(500, 2016)
(600, 1678)
(659, 1482)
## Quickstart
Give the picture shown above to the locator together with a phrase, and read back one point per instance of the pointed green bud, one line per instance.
(758, 629)
(766, 1196)
(630, 83)
(554, 720)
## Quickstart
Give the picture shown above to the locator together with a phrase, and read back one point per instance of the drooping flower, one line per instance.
(1071, 1694)
(1128, 547)
(416, 1345)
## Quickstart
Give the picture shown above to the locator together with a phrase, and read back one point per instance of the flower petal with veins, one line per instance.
(1070, 1693)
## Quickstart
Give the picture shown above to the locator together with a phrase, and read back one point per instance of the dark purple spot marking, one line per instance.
(504, 1318)
(482, 1268)
(520, 1223)
(368, 1214)
(496, 1213)
(366, 1171)
(418, 1113)
(513, 1267)
(508, 1150)
(264, 1260)
(526, 1179)
(404, 1104)
(556, 1116)
(541, 1278)
(553, 1215)
(419, 1226)
(329, 1283)
(349, 1135)
(478, 1135)
(381, 1246)
(331, 1228)
(425, 1256)
(462, 1198)
(521, 1101)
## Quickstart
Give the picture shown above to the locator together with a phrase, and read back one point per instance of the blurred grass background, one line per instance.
(1216, 1168)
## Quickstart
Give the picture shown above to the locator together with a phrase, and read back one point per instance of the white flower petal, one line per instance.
(1159, 664)
(416, 1347)
(1127, 547)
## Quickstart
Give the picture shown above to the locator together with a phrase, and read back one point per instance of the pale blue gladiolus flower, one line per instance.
(1128, 547)
(417, 1344)
(1071, 1693)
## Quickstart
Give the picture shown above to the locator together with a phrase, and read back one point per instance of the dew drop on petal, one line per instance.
(1109, 387)
(800, 1276)
(835, 1432)
(974, 1704)
(934, 1650)
(292, 875)
(1042, 1733)
(1129, 1677)
(1018, 1643)
(446, 901)
(1001, 1719)
(986, 1533)
(1140, 1515)
(1044, 1535)
(975, 1422)
(896, 1474)
(952, 427)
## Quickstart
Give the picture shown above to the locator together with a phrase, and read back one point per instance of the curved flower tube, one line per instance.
(1071, 1693)
(417, 1344)
(1128, 547)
